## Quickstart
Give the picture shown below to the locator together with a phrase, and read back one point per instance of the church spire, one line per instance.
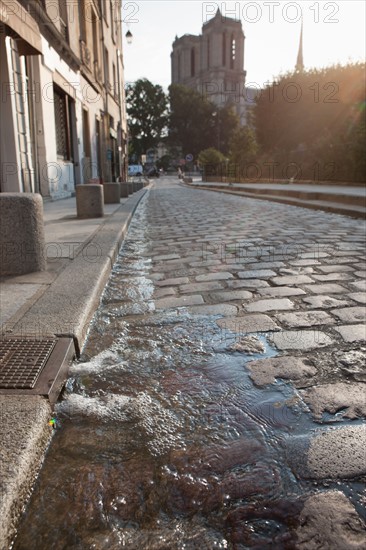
(300, 59)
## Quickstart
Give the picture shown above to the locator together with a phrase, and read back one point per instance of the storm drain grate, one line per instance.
(22, 361)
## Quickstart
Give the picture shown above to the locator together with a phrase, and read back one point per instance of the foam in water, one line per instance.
(111, 407)
(160, 425)
(108, 359)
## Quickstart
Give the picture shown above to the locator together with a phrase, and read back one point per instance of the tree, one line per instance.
(225, 123)
(164, 162)
(211, 159)
(195, 123)
(315, 119)
(243, 146)
(147, 112)
(190, 121)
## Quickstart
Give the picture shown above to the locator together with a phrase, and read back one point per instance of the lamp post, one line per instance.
(120, 137)
(121, 160)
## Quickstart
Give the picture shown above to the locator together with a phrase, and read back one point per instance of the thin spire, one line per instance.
(300, 57)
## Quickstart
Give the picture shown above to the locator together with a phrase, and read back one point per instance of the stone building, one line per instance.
(213, 62)
(62, 111)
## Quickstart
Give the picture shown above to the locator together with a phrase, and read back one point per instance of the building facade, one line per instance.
(213, 63)
(62, 95)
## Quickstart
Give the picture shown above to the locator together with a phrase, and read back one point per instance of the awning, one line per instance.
(20, 25)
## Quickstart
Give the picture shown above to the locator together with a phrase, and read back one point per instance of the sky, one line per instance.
(334, 32)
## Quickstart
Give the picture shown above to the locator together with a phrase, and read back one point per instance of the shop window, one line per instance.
(62, 104)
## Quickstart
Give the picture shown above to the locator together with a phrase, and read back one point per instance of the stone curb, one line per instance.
(69, 303)
(326, 206)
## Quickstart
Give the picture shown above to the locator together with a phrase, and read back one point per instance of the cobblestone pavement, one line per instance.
(221, 398)
(298, 276)
(260, 265)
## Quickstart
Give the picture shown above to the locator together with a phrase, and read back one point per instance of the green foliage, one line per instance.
(147, 115)
(212, 161)
(210, 156)
(196, 124)
(243, 146)
(189, 121)
(225, 123)
(316, 118)
(164, 162)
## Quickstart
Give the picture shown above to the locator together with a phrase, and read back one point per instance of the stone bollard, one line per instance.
(89, 200)
(124, 189)
(135, 186)
(21, 233)
(112, 193)
(130, 187)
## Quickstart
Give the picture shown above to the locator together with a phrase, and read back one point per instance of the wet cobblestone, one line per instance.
(165, 438)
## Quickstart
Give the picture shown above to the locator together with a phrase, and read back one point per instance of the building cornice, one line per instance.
(50, 32)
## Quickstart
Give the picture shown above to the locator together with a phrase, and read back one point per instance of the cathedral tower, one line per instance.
(213, 63)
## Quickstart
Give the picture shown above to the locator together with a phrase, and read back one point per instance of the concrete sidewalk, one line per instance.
(58, 302)
(348, 200)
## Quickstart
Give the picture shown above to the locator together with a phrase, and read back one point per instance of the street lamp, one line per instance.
(120, 136)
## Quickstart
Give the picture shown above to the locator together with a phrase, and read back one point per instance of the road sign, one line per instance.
(189, 157)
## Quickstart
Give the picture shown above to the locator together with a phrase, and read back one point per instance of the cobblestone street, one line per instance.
(263, 266)
(238, 330)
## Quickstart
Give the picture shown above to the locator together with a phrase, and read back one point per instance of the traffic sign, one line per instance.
(189, 157)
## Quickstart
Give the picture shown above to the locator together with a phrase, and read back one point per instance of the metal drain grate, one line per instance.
(22, 361)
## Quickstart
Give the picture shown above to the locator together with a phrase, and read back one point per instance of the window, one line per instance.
(62, 104)
(95, 38)
(208, 52)
(112, 18)
(82, 19)
(224, 49)
(179, 67)
(62, 6)
(193, 62)
(114, 83)
(106, 69)
(86, 134)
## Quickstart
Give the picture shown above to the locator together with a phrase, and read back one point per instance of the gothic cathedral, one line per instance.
(213, 63)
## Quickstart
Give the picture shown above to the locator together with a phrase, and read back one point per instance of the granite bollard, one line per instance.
(124, 189)
(22, 238)
(90, 200)
(112, 193)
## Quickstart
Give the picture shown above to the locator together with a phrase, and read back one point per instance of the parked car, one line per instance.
(153, 172)
(135, 170)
